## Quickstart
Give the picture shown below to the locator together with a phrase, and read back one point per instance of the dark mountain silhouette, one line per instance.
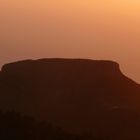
(80, 96)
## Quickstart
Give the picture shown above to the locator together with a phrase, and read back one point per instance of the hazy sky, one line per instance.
(97, 29)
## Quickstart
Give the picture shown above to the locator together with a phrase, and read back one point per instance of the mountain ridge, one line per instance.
(75, 94)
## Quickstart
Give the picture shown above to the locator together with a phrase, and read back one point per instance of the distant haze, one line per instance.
(96, 29)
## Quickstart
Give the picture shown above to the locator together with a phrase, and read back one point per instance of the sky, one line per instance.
(95, 29)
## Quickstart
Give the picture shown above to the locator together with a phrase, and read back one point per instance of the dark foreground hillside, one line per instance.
(77, 95)
(14, 126)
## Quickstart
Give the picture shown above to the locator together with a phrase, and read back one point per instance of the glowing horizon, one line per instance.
(72, 28)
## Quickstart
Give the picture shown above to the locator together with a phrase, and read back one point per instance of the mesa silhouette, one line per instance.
(78, 95)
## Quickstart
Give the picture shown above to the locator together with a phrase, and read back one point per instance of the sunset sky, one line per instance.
(96, 29)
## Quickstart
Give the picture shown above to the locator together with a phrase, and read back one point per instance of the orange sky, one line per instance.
(97, 29)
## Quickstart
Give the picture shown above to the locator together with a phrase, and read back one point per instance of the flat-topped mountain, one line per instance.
(75, 94)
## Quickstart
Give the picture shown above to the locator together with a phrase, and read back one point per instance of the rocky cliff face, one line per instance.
(76, 94)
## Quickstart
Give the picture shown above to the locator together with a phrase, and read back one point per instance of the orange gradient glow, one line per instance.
(96, 29)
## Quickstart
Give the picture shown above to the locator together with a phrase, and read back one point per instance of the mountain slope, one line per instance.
(76, 94)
